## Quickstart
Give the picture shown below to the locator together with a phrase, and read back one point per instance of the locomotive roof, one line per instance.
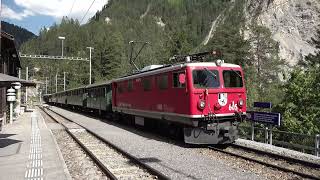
(167, 68)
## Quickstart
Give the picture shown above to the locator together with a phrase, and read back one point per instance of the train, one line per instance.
(207, 100)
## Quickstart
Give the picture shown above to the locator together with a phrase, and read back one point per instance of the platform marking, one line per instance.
(34, 166)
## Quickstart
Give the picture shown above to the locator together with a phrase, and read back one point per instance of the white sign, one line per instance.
(11, 98)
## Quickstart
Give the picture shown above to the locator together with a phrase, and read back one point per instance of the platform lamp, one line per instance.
(11, 97)
(17, 87)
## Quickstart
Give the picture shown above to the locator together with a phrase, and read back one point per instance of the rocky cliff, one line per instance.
(292, 23)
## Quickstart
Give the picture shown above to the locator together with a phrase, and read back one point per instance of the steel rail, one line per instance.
(87, 151)
(266, 164)
(286, 158)
(131, 157)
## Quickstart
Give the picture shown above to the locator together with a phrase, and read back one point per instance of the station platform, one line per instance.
(28, 150)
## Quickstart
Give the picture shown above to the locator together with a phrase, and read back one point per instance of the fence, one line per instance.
(295, 141)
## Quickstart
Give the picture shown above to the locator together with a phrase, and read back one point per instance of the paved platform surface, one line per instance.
(172, 160)
(278, 150)
(29, 151)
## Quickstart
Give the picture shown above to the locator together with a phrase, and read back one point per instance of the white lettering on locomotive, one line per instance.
(233, 106)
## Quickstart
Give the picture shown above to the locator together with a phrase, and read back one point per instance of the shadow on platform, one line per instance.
(151, 159)
(7, 142)
(6, 135)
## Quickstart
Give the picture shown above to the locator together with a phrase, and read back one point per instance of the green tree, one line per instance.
(301, 105)
(263, 67)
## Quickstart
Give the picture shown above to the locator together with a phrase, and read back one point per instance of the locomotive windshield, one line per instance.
(205, 78)
(232, 79)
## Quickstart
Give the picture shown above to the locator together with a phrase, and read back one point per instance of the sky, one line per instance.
(36, 14)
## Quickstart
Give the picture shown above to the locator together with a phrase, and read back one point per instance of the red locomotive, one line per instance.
(206, 99)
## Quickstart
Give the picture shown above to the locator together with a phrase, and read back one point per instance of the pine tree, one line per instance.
(264, 66)
(301, 105)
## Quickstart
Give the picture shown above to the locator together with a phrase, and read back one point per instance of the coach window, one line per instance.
(90, 93)
(232, 79)
(146, 82)
(176, 83)
(162, 81)
(130, 85)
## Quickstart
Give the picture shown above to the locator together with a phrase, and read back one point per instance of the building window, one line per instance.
(176, 83)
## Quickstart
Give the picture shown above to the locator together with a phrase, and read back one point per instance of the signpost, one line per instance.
(269, 118)
(262, 104)
(264, 117)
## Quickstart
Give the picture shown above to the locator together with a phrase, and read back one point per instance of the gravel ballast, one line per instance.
(172, 160)
(79, 164)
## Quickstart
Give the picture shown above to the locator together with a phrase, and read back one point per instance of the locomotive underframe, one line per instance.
(214, 130)
(208, 129)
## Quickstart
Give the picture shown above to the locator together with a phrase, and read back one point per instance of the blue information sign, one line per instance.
(264, 117)
(262, 104)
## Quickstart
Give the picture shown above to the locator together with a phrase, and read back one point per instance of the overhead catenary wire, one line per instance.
(87, 11)
(71, 8)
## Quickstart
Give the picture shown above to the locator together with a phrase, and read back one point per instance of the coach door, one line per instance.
(84, 99)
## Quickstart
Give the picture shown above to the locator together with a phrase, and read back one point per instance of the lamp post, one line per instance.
(61, 38)
(17, 86)
(57, 82)
(46, 85)
(26, 94)
(90, 49)
(64, 81)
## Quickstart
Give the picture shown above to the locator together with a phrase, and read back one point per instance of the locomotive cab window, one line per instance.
(232, 79)
(204, 78)
(176, 83)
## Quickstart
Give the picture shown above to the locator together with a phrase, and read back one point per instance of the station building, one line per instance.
(9, 68)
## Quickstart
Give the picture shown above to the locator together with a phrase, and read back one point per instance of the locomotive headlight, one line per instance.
(240, 102)
(201, 104)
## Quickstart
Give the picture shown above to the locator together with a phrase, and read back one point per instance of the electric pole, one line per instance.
(64, 81)
(90, 49)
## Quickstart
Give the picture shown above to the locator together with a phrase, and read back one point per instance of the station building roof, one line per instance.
(6, 80)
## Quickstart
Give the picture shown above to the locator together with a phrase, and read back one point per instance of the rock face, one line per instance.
(292, 23)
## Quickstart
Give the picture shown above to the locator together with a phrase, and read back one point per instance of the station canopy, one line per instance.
(6, 80)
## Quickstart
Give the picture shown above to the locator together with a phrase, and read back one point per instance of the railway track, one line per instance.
(304, 169)
(114, 162)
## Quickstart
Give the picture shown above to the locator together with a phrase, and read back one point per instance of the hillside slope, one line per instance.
(292, 22)
(20, 34)
(178, 27)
